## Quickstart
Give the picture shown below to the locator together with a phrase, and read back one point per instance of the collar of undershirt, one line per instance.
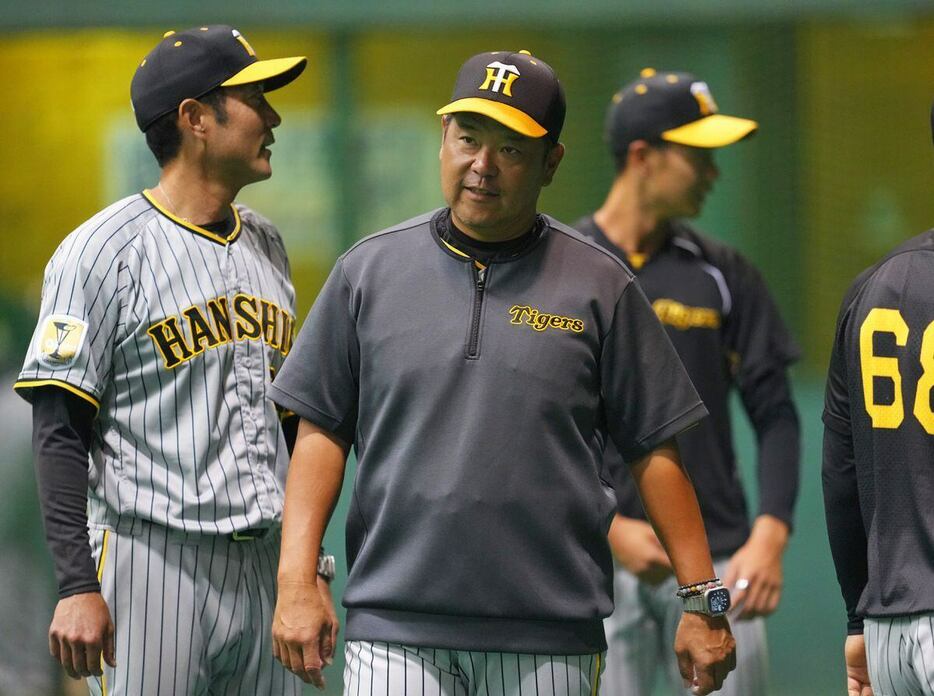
(637, 261)
(483, 254)
(222, 232)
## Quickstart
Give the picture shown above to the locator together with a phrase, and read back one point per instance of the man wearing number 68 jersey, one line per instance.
(878, 471)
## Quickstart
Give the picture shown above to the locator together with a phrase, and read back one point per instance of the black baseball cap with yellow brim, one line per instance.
(515, 89)
(189, 64)
(672, 106)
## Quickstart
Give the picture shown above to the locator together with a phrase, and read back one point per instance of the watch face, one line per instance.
(718, 600)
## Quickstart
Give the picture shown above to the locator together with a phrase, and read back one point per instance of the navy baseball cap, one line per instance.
(515, 89)
(672, 106)
(190, 63)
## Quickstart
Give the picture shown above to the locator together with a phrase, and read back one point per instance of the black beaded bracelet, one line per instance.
(696, 588)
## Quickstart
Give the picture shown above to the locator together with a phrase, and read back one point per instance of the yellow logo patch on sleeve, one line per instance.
(60, 340)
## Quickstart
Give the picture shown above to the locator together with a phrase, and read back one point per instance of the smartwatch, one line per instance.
(713, 601)
(327, 567)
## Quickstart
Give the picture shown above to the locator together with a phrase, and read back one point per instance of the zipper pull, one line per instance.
(481, 278)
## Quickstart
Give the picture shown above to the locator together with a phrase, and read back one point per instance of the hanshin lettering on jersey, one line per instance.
(180, 338)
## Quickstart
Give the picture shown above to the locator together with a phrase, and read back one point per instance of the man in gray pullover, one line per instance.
(477, 357)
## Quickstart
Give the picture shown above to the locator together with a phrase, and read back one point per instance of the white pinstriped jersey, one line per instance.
(172, 332)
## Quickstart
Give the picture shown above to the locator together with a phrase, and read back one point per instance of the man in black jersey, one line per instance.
(662, 130)
(878, 471)
(476, 357)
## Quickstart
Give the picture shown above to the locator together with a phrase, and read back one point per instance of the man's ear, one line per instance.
(192, 115)
(552, 160)
(639, 155)
(445, 122)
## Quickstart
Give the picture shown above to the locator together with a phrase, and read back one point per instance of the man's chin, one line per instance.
(260, 174)
(474, 218)
(692, 211)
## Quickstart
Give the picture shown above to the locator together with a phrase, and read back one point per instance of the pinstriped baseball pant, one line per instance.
(641, 634)
(900, 653)
(389, 669)
(192, 614)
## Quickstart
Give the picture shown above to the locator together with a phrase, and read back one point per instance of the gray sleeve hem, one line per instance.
(676, 425)
(305, 410)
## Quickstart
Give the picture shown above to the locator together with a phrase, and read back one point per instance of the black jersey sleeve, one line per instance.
(845, 527)
(62, 430)
(755, 330)
(774, 418)
(290, 431)
(761, 350)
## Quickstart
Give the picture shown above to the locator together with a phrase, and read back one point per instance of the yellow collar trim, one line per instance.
(147, 194)
(454, 249)
(461, 253)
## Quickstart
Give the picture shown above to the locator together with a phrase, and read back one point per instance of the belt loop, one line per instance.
(253, 534)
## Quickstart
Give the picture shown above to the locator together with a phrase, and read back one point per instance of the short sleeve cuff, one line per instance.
(677, 425)
(24, 388)
(341, 428)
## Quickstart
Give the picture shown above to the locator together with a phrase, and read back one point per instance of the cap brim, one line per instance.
(273, 73)
(509, 116)
(715, 130)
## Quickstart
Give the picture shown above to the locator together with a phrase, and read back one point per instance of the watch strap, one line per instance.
(327, 567)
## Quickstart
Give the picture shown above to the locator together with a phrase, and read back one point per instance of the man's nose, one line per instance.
(484, 163)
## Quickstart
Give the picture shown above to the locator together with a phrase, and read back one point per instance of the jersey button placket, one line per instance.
(250, 378)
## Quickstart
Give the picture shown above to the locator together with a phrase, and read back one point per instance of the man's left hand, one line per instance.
(706, 652)
(754, 574)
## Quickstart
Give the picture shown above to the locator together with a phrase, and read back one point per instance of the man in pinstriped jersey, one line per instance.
(878, 471)
(476, 357)
(162, 319)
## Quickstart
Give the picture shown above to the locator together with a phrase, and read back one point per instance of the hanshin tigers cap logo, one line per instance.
(516, 89)
(189, 64)
(672, 106)
(60, 340)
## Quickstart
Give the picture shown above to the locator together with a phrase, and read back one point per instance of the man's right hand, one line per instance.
(81, 630)
(638, 550)
(857, 673)
(303, 631)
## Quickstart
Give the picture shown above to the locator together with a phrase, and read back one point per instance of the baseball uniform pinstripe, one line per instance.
(390, 669)
(171, 331)
(900, 652)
